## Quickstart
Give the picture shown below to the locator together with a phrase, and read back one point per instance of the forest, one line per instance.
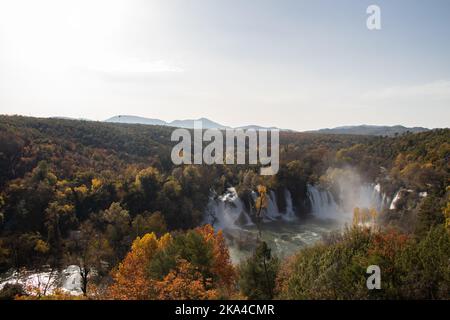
(106, 198)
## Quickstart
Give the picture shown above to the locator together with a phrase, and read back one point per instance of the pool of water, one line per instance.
(284, 238)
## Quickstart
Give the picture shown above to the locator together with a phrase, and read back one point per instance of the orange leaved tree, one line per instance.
(185, 282)
(190, 265)
(131, 281)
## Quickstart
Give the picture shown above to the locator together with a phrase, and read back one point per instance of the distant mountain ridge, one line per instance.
(187, 123)
(136, 120)
(372, 130)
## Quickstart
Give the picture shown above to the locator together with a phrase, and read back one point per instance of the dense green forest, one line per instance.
(106, 197)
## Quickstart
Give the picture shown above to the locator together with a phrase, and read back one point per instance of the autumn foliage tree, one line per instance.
(221, 266)
(191, 265)
(130, 279)
(185, 282)
(411, 268)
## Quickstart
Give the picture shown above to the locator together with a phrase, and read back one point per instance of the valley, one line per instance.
(98, 210)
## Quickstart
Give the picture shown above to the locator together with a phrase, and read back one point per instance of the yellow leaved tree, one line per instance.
(130, 279)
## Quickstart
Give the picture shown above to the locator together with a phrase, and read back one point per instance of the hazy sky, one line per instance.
(292, 64)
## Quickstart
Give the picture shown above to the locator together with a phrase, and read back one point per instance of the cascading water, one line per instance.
(370, 196)
(227, 211)
(400, 194)
(322, 202)
(325, 206)
(67, 280)
(71, 281)
(290, 212)
(394, 201)
(282, 229)
(271, 213)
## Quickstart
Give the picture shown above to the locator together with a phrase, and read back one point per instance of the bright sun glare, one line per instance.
(54, 35)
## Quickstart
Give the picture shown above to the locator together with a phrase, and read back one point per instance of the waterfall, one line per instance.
(289, 215)
(71, 280)
(227, 211)
(272, 212)
(394, 201)
(67, 280)
(402, 193)
(325, 206)
(371, 197)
